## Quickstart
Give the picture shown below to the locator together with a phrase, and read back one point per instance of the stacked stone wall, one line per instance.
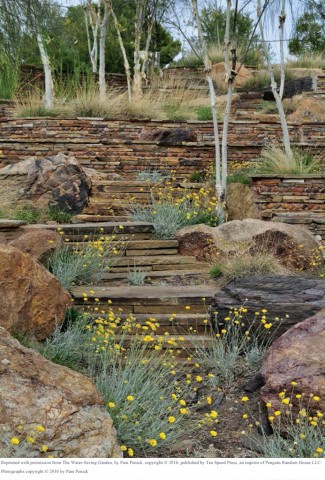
(294, 199)
(120, 146)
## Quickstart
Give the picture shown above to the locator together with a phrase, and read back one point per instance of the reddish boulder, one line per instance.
(38, 243)
(297, 356)
(33, 301)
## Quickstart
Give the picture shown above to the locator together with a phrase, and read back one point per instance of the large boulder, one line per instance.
(297, 297)
(218, 74)
(32, 299)
(38, 243)
(36, 392)
(298, 356)
(292, 244)
(58, 180)
(240, 202)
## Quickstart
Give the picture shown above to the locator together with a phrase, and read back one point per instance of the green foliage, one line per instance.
(56, 214)
(9, 76)
(261, 80)
(216, 271)
(214, 25)
(204, 114)
(274, 161)
(240, 176)
(28, 214)
(197, 177)
(308, 36)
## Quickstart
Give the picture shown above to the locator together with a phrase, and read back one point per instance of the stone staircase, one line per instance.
(177, 290)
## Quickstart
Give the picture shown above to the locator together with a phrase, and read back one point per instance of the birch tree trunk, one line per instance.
(226, 118)
(282, 19)
(102, 47)
(92, 18)
(138, 26)
(123, 51)
(207, 67)
(148, 41)
(283, 121)
(48, 96)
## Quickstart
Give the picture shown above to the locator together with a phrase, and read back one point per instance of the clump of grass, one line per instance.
(82, 265)
(204, 113)
(246, 264)
(151, 176)
(216, 271)
(310, 60)
(275, 161)
(136, 276)
(59, 215)
(197, 177)
(32, 105)
(261, 80)
(240, 176)
(28, 214)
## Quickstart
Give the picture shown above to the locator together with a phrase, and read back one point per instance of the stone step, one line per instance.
(147, 299)
(74, 230)
(89, 218)
(174, 325)
(157, 261)
(177, 277)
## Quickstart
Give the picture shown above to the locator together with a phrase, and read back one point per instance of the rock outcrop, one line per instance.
(35, 391)
(240, 202)
(52, 181)
(298, 356)
(298, 297)
(32, 299)
(293, 245)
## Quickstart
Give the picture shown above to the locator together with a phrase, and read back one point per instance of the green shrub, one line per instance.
(28, 214)
(216, 271)
(275, 161)
(197, 177)
(204, 114)
(59, 215)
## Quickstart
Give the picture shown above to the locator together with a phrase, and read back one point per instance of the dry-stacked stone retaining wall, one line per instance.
(294, 199)
(123, 147)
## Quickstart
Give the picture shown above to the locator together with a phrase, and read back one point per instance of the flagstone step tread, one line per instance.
(163, 319)
(89, 218)
(155, 295)
(157, 260)
(160, 267)
(100, 227)
(158, 274)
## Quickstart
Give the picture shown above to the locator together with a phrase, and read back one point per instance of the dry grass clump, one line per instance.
(275, 161)
(32, 105)
(310, 60)
(246, 264)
